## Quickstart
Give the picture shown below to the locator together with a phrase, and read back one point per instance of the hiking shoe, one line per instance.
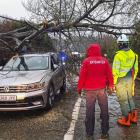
(104, 136)
(89, 137)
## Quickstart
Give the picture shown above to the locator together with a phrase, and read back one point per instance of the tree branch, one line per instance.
(88, 12)
(2, 41)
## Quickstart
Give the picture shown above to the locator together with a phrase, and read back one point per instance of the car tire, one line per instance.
(50, 97)
(63, 87)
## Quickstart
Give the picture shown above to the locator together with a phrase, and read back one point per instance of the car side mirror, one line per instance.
(55, 66)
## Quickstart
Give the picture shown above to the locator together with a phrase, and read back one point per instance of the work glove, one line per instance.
(79, 93)
(110, 90)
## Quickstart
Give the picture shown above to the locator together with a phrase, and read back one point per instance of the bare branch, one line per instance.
(2, 41)
(108, 16)
(88, 12)
(21, 21)
(72, 10)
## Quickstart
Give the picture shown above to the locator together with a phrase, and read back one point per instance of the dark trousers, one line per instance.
(91, 96)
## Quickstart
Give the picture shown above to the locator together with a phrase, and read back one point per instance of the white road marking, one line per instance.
(70, 133)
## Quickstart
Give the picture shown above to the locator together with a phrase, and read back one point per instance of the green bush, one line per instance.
(134, 44)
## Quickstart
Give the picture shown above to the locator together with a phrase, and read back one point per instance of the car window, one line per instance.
(27, 63)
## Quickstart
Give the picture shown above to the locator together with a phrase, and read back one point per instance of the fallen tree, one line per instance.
(74, 17)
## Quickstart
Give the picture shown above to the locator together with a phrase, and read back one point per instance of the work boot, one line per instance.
(134, 116)
(125, 121)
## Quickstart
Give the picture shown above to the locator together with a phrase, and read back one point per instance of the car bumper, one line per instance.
(24, 101)
(20, 108)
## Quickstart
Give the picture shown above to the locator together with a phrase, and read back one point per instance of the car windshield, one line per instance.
(27, 63)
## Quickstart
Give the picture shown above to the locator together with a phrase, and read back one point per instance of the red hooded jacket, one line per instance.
(95, 70)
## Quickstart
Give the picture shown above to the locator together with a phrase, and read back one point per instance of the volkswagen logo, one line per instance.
(6, 89)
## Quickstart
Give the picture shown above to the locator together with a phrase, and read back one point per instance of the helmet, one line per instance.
(123, 39)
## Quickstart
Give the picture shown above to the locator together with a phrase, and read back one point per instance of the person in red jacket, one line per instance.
(94, 74)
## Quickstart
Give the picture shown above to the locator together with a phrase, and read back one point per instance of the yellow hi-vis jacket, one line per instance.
(123, 62)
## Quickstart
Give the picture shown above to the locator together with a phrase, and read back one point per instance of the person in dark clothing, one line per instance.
(94, 73)
(1, 61)
(5, 60)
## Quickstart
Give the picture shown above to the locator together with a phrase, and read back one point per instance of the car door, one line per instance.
(61, 68)
(57, 76)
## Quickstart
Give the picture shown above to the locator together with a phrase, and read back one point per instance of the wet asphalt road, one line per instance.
(38, 124)
(116, 132)
(53, 124)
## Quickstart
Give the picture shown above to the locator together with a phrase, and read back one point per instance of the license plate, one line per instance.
(7, 98)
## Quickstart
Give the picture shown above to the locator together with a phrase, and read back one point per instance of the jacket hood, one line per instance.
(127, 53)
(93, 50)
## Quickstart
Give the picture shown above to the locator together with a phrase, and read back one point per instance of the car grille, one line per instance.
(13, 89)
(14, 104)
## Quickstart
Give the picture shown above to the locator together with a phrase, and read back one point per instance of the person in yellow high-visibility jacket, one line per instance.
(125, 68)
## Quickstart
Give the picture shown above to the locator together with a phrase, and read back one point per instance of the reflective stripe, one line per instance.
(136, 65)
(130, 61)
(117, 67)
(124, 70)
(116, 62)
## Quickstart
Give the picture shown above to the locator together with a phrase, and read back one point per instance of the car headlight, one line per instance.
(35, 86)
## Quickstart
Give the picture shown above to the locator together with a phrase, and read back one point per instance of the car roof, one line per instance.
(36, 54)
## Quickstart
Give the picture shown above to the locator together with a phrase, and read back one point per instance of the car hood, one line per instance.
(21, 77)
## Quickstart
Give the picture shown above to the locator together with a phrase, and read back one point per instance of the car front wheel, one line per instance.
(50, 97)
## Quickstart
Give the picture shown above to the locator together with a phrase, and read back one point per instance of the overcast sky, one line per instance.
(13, 9)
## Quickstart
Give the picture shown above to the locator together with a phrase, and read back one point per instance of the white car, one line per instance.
(30, 81)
